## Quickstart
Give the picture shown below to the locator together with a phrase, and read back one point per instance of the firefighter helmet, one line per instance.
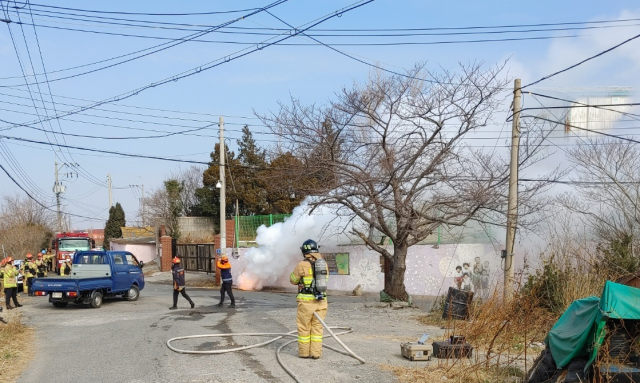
(309, 246)
(176, 260)
(29, 256)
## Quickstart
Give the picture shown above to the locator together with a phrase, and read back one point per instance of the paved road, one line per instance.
(125, 341)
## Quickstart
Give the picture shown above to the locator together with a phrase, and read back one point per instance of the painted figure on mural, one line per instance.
(457, 277)
(466, 269)
(484, 283)
(476, 277)
(467, 283)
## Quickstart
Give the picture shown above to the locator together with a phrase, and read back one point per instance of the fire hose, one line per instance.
(347, 351)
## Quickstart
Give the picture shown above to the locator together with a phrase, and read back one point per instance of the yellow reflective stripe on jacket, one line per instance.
(304, 339)
(294, 280)
(306, 297)
(316, 338)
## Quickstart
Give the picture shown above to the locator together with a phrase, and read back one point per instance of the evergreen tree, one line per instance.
(113, 227)
(248, 178)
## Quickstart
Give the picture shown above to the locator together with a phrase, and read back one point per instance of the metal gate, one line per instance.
(197, 257)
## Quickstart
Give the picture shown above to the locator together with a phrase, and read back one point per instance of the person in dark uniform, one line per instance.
(179, 284)
(227, 280)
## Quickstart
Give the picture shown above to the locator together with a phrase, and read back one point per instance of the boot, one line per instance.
(173, 308)
(18, 305)
(192, 304)
(232, 305)
(219, 304)
(9, 307)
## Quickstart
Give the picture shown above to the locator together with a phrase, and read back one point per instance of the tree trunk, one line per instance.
(396, 289)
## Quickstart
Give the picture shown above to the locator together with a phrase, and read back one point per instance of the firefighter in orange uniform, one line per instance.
(310, 301)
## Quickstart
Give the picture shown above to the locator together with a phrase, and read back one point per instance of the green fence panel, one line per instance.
(247, 226)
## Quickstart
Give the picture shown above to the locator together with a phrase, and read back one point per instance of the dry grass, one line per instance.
(501, 334)
(16, 347)
(464, 371)
(206, 283)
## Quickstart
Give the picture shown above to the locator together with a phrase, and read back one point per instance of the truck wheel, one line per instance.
(60, 305)
(96, 299)
(133, 293)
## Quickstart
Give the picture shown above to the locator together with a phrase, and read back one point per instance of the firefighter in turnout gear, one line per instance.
(178, 284)
(41, 267)
(10, 281)
(310, 300)
(29, 272)
(65, 269)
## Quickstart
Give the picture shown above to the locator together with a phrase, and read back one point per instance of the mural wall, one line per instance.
(473, 267)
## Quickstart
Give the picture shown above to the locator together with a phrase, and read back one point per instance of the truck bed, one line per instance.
(71, 283)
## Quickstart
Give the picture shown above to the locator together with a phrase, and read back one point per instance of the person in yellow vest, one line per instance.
(65, 269)
(309, 327)
(10, 281)
(29, 272)
(41, 268)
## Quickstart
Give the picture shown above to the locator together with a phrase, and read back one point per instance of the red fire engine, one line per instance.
(68, 243)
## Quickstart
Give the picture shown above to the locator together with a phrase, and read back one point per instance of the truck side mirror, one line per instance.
(140, 264)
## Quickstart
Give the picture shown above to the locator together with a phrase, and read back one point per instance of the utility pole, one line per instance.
(512, 212)
(223, 185)
(58, 189)
(142, 203)
(109, 185)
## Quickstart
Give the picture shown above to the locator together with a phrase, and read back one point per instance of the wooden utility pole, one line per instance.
(512, 212)
(109, 186)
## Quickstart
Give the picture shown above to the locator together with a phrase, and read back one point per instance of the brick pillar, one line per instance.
(167, 256)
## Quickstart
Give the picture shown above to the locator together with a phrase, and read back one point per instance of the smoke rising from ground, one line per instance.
(279, 245)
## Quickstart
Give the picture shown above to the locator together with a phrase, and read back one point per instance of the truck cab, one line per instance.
(67, 244)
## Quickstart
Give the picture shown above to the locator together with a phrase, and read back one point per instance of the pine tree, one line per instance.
(113, 227)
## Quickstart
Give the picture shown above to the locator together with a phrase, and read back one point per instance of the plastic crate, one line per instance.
(446, 350)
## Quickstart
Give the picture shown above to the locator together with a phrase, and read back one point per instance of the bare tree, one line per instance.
(25, 226)
(608, 197)
(395, 158)
(158, 206)
(189, 179)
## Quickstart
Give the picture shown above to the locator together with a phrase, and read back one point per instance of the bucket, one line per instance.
(456, 304)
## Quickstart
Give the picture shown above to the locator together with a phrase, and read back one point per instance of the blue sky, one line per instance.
(255, 82)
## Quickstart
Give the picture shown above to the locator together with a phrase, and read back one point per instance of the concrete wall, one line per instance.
(196, 227)
(429, 271)
(144, 252)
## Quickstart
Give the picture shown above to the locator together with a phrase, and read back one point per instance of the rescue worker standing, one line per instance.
(29, 272)
(40, 267)
(65, 269)
(10, 280)
(309, 327)
(227, 280)
(179, 284)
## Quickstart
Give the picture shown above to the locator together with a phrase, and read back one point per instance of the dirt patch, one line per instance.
(16, 347)
(461, 371)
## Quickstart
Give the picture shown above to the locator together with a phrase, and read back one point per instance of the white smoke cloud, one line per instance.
(278, 248)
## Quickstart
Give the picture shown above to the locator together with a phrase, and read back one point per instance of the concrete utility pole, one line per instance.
(109, 186)
(512, 212)
(142, 203)
(58, 189)
(223, 185)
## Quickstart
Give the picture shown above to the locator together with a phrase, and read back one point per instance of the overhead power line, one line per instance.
(168, 45)
(142, 13)
(212, 64)
(583, 61)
